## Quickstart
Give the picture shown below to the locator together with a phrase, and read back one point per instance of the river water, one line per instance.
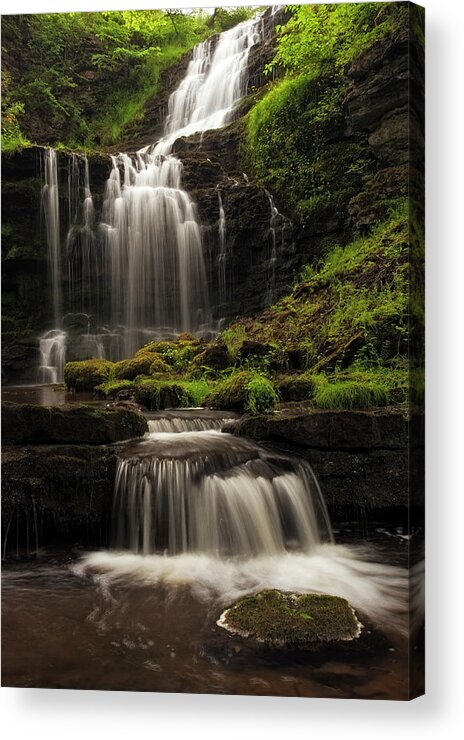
(68, 623)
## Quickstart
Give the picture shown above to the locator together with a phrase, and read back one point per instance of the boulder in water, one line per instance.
(281, 619)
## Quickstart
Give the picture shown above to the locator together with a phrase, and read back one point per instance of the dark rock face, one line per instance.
(69, 424)
(26, 290)
(54, 494)
(360, 458)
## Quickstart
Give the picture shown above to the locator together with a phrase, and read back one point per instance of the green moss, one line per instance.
(85, 375)
(301, 387)
(243, 391)
(144, 363)
(112, 388)
(163, 394)
(279, 618)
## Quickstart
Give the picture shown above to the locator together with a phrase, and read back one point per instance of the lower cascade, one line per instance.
(209, 492)
(225, 517)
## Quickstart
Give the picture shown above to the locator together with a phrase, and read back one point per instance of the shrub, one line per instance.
(85, 375)
(243, 391)
(351, 394)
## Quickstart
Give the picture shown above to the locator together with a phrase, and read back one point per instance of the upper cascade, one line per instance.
(215, 82)
(142, 272)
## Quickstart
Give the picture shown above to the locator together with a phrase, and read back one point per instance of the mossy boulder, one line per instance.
(116, 389)
(296, 387)
(243, 391)
(159, 394)
(85, 375)
(69, 424)
(144, 363)
(214, 356)
(282, 619)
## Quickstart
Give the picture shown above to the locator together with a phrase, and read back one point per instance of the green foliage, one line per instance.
(79, 78)
(261, 395)
(352, 306)
(317, 36)
(234, 336)
(85, 375)
(112, 388)
(351, 394)
(290, 145)
(291, 138)
(244, 390)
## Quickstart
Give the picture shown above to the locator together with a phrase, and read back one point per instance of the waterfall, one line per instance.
(140, 273)
(215, 82)
(153, 247)
(52, 347)
(52, 344)
(222, 250)
(51, 206)
(188, 420)
(208, 492)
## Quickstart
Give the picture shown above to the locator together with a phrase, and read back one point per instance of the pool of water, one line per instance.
(70, 624)
(47, 395)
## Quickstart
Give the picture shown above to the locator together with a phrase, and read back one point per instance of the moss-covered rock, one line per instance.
(214, 356)
(85, 375)
(116, 389)
(159, 394)
(144, 363)
(296, 387)
(292, 620)
(243, 391)
(69, 424)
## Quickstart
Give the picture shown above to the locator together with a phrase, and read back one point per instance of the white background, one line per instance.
(44, 714)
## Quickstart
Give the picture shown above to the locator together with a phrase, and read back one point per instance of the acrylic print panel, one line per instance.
(213, 350)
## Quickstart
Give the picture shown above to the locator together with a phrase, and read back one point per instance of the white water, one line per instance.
(153, 248)
(214, 493)
(141, 273)
(222, 256)
(50, 202)
(52, 347)
(215, 82)
(377, 590)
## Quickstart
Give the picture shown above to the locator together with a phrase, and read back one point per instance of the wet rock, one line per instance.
(329, 430)
(69, 424)
(53, 493)
(282, 619)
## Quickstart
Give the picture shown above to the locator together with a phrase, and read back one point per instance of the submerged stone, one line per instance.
(283, 619)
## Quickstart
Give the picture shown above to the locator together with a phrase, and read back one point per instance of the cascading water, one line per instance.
(140, 273)
(222, 256)
(208, 492)
(52, 344)
(227, 517)
(153, 247)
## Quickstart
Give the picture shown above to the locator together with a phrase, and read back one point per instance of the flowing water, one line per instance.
(200, 519)
(141, 273)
